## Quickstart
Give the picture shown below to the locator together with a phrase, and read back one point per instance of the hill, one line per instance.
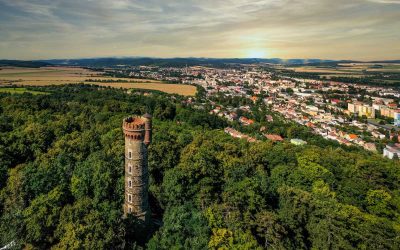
(26, 64)
(175, 62)
(61, 180)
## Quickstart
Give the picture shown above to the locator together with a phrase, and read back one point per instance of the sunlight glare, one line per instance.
(256, 53)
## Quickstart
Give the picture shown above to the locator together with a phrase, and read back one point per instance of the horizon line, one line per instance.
(200, 57)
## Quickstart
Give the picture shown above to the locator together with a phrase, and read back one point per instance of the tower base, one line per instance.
(142, 218)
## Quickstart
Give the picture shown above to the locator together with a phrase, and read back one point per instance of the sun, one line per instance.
(256, 53)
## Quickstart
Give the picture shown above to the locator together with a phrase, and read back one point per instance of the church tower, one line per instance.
(137, 131)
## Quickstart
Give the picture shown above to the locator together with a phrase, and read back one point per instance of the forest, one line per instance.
(62, 167)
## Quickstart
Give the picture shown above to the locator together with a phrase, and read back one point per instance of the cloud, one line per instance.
(214, 28)
(386, 1)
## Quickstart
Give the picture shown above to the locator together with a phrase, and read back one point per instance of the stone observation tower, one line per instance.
(137, 131)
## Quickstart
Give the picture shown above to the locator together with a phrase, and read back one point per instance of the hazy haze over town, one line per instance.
(340, 29)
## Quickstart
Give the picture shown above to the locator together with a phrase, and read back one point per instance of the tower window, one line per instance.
(130, 209)
(130, 168)
(130, 183)
(130, 155)
(129, 197)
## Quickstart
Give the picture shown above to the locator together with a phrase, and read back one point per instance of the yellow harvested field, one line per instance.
(386, 70)
(71, 75)
(181, 89)
(341, 75)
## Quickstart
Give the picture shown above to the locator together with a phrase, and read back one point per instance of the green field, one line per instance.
(21, 91)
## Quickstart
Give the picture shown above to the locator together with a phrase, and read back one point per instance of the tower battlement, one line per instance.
(137, 132)
(138, 128)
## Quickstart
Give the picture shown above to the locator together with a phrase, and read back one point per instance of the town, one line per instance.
(351, 114)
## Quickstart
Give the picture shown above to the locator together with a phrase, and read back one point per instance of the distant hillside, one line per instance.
(176, 62)
(27, 64)
(390, 61)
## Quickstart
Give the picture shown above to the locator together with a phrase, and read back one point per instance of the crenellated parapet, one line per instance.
(138, 128)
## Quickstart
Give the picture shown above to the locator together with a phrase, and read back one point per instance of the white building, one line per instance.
(391, 151)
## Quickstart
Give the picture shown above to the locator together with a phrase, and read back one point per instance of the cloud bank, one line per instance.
(340, 29)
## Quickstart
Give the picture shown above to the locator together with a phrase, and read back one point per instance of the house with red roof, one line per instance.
(273, 137)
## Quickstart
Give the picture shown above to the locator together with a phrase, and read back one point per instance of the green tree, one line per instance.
(184, 228)
(42, 216)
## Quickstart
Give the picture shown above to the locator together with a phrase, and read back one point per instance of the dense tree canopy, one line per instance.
(61, 181)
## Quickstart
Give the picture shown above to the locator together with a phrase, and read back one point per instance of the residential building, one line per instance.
(391, 151)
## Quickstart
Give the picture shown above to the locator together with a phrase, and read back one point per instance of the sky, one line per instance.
(325, 29)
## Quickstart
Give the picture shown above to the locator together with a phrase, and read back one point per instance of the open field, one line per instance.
(349, 68)
(310, 69)
(7, 72)
(21, 91)
(329, 76)
(187, 90)
(70, 75)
